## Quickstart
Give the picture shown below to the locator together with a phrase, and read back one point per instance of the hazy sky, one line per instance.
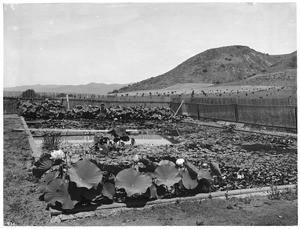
(125, 43)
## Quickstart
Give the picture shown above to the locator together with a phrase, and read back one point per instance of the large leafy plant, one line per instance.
(49, 109)
(66, 184)
(133, 181)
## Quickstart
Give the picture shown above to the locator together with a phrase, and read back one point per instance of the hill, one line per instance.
(217, 66)
(91, 88)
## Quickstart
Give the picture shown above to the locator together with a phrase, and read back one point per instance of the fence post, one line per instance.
(67, 98)
(198, 113)
(236, 112)
(296, 116)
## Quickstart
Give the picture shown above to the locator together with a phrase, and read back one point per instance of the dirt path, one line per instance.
(234, 211)
(21, 205)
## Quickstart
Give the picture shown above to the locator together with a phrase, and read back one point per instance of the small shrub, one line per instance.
(51, 141)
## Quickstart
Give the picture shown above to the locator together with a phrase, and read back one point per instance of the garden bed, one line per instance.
(242, 165)
(105, 170)
(246, 160)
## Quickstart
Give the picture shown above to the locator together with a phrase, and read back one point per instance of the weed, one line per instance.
(229, 128)
(226, 195)
(287, 194)
(274, 193)
(51, 141)
(199, 223)
(9, 224)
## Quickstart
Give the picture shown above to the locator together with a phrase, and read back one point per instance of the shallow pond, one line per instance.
(140, 139)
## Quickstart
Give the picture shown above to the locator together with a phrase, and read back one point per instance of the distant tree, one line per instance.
(113, 92)
(30, 93)
(62, 95)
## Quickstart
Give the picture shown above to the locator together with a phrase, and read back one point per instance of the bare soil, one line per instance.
(258, 211)
(22, 206)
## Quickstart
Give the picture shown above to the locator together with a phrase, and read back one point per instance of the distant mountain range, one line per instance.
(218, 66)
(91, 88)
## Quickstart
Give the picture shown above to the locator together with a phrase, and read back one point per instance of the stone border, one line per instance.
(36, 153)
(249, 130)
(58, 216)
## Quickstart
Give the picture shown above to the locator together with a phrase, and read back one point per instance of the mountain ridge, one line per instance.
(90, 88)
(217, 66)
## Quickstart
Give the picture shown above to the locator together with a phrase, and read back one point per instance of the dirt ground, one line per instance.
(22, 206)
(256, 211)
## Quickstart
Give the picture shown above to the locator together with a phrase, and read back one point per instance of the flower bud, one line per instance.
(180, 161)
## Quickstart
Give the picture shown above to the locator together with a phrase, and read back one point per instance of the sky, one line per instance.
(129, 42)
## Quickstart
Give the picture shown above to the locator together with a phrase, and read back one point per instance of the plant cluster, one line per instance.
(65, 184)
(55, 110)
(229, 128)
(51, 141)
(45, 110)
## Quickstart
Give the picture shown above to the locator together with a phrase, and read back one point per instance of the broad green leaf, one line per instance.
(48, 177)
(167, 174)
(163, 162)
(85, 174)
(57, 191)
(187, 181)
(204, 174)
(133, 181)
(153, 192)
(108, 190)
(215, 168)
(42, 165)
(193, 170)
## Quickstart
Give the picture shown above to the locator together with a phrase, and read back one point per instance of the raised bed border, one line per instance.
(36, 153)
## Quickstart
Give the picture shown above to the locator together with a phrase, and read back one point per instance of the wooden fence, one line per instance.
(280, 112)
(280, 115)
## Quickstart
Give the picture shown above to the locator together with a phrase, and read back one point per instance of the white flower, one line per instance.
(240, 176)
(180, 161)
(205, 165)
(136, 158)
(57, 154)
